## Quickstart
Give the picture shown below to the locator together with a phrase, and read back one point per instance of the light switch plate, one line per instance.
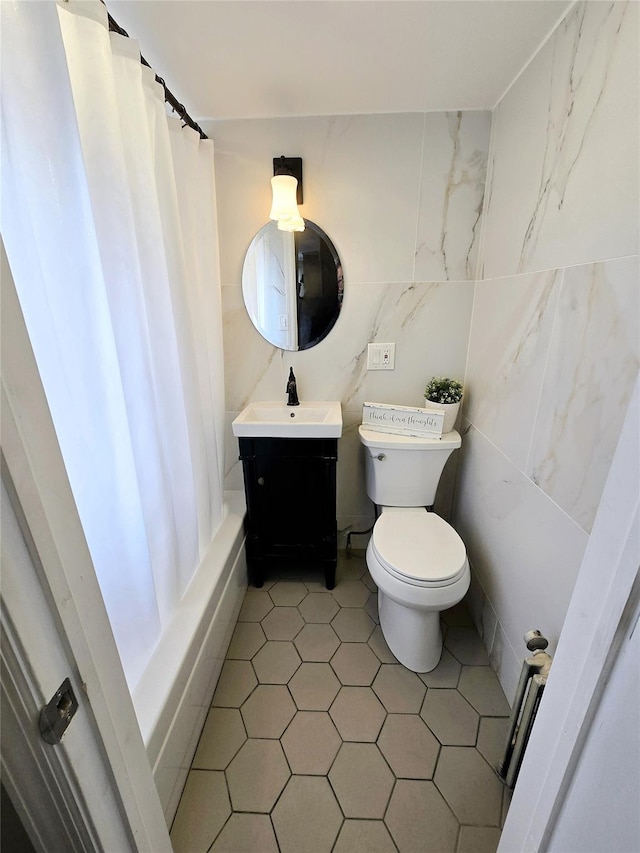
(381, 357)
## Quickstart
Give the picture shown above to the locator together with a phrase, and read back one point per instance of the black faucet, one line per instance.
(292, 390)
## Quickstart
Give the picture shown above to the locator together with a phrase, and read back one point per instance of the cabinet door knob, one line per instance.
(380, 457)
(261, 481)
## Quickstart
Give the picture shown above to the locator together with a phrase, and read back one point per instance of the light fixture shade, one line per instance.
(284, 207)
(286, 187)
(284, 204)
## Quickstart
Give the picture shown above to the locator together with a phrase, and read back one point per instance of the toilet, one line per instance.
(417, 560)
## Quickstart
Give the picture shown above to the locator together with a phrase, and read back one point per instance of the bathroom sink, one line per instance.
(311, 419)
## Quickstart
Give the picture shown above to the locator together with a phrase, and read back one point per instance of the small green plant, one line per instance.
(440, 389)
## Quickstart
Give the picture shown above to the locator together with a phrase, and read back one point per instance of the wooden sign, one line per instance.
(402, 420)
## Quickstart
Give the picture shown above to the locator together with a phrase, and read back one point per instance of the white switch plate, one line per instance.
(381, 356)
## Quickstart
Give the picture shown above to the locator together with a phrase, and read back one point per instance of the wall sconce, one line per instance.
(286, 186)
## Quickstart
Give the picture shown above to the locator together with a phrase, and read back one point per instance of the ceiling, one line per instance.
(264, 58)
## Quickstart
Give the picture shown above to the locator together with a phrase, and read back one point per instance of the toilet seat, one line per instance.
(418, 547)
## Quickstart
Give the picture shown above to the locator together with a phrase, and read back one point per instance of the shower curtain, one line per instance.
(108, 219)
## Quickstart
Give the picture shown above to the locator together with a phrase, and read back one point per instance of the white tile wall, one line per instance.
(552, 357)
(555, 331)
(593, 359)
(393, 192)
(361, 180)
(565, 154)
(524, 550)
(429, 323)
(512, 322)
(451, 195)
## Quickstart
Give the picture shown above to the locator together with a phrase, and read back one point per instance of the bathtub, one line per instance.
(175, 691)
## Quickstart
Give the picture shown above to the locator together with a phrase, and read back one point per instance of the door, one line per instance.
(55, 625)
(62, 793)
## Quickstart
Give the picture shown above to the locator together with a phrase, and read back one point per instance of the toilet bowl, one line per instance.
(417, 560)
(419, 564)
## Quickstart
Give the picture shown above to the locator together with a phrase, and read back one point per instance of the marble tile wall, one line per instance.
(400, 196)
(554, 340)
(565, 149)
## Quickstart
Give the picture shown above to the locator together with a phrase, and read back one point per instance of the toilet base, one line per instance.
(413, 635)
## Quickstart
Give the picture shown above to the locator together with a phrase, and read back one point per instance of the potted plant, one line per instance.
(444, 394)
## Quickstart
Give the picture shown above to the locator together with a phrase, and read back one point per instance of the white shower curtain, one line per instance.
(108, 218)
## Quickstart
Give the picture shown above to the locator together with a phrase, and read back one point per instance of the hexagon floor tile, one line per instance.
(236, 682)
(469, 785)
(276, 662)
(311, 743)
(288, 593)
(318, 607)
(257, 603)
(364, 835)
(361, 780)
(355, 664)
(257, 775)
(481, 688)
(419, 819)
(478, 839)
(247, 639)
(358, 714)
(372, 608)
(319, 740)
(203, 811)
(409, 747)
(353, 625)
(282, 623)
(307, 818)
(378, 644)
(317, 643)
(314, 686)
(351, 593)
(446, 674)
(247, 832)
(450, 717)
(268, 711)
(399, 690)
(221, 738)
(492, 736)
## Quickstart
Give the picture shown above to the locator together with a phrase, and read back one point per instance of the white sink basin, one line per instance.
(311, 419)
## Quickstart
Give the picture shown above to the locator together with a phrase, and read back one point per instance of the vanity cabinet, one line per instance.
(290, 486)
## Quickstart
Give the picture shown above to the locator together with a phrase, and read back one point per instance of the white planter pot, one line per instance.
(450, 412)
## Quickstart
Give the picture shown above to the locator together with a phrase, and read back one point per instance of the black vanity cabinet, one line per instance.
(290, 485)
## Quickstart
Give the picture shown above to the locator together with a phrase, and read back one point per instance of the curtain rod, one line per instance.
(173, 102)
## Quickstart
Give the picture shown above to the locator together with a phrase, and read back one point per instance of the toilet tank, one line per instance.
(402, 470)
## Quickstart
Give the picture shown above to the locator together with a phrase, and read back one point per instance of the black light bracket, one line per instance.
(290, 166)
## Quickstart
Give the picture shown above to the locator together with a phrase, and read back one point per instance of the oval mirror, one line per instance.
(292, 285)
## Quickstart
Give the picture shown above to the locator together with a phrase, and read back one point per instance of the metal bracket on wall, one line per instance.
(58, 713)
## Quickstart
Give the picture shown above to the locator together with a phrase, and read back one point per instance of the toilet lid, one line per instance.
(419, 546)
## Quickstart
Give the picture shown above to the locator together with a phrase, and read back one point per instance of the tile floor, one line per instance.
(318, 740)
